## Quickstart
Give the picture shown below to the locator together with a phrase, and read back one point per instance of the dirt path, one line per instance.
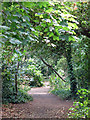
(44, 105)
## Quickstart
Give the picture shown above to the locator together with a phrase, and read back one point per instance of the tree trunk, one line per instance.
(16, 88)
(73, 83)
(0, 88)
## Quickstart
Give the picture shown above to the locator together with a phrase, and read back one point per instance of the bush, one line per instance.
(81, 107)
(62, 93)
(34, 76)
(36, 82)
(59, 88)
(21, 97)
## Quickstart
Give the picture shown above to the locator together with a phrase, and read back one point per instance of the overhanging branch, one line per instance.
(52, 68)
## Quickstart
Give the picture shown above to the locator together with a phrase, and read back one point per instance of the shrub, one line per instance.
(59, 88)
(81, 107)
(21, 97)
(62, 93)
(36, 82)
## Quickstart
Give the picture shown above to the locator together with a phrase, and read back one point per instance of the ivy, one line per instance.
(81, 107)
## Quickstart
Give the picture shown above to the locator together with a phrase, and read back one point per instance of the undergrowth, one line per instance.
(63, 94)
(81, 107)
(21, 97)
(59, 87)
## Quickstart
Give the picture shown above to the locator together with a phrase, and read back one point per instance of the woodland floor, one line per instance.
(44, 105)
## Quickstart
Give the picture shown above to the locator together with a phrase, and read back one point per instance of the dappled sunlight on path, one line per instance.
(44, 105)
(47, 105)
(40, 90)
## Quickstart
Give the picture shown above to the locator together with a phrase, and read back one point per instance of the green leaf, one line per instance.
(38, 28)
(31, 38)
(36, 20)
(51, 34)
(35, 33)
(41, 16)
(54, 37)
(49, 10)
(43, 24)
(71, 38)
(15, 41)
(4, 27)
(73, 25)
(29, 4)
(46, 30)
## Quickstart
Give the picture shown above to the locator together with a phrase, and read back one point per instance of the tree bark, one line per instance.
(52, 69)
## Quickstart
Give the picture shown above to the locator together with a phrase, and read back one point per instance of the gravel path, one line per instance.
(44, 105)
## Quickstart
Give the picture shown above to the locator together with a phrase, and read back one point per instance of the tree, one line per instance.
(81, 48)
(55, 36)
(48, 31)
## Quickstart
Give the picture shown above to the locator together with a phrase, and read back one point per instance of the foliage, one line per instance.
(62, 64)
(81, 107)
(11, 97)
(80, 62)
(63, 94)
(80, 49)
(49, 30)
(31, 73)
(59, 88)
(25, 87)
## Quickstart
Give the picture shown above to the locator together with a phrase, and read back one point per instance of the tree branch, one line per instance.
(52, 68)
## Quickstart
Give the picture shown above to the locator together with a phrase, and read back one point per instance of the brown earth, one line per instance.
(44, 105)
